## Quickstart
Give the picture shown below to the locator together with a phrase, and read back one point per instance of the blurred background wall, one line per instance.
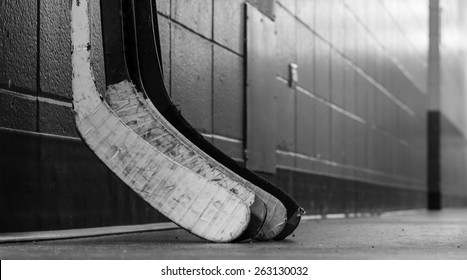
(375, 120)
(452, 101)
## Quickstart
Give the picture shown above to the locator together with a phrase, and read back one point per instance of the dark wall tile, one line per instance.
(338, 89)
(229, 20)
(337, 137)
(17, 112)
(361, 144)
(323, 69)
(231, 148)
(53, 183)
(192, 77)
(286, 41)
(286, 122)
(349, 89)
(228, 94)
(322, 130)
(55, 46)
(350, 145)
(56, 118)
(305, 125)
(196, 15)
(306, 58)
(321, 194)
(18, 61)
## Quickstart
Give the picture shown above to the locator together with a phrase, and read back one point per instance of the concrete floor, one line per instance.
(423, 235)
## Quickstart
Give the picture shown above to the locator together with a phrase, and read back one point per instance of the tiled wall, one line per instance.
(35, 68)
(202, 54)
(358, 111)
(357, 114)
(452, 101)
(50, 179)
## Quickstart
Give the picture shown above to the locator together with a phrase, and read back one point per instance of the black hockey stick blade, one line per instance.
(152, 80)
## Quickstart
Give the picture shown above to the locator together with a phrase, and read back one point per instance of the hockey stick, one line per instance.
(132, 108)
(196, 204)
(149, 124)
(152, 81)
(131, 105)
(276, 212)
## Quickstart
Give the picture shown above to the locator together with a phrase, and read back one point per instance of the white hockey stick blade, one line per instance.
(140, 115)
(196, 204)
